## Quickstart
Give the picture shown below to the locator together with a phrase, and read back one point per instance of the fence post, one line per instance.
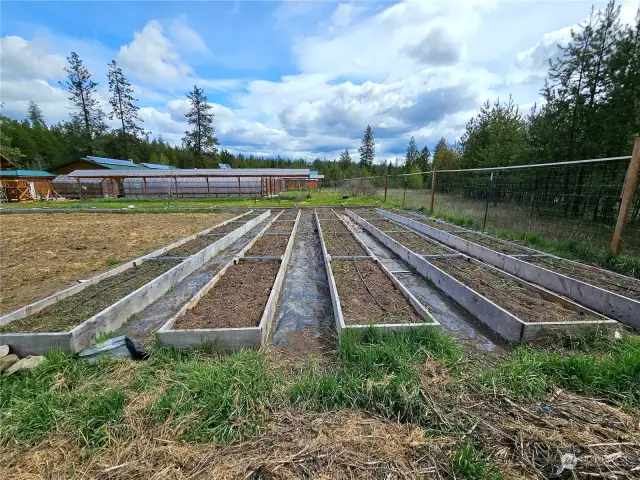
(405, 191)
(628, 189)
(386, 184)
(433, 190)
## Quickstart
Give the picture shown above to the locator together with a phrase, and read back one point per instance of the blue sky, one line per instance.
(298, 79)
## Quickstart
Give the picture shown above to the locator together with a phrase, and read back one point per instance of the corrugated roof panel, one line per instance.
(157, 166)
(25, 173)
(111, 161)
(191, 172)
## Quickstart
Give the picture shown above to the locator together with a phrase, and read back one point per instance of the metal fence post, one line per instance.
(486, 208)
(433, 190)
(628, 189)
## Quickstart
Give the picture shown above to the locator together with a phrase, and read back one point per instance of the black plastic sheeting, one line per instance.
(305, 302)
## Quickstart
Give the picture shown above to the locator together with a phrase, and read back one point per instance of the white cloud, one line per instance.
(21, 59)
(342, 15)
(186, 38)
(152, 58)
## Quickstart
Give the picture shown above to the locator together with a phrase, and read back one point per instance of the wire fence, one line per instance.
(576, 201)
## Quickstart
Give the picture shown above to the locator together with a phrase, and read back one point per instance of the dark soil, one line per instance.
(359, 305)
(288, 215)
(343, 245)
(228, 227)
(514, 297)
(269, 245)
(387, 225)
(71, 311)
(625, 286)
(333, 226)
(281, 227)
(237, 300)
(490, 243)
(192, 246)
(416, 243)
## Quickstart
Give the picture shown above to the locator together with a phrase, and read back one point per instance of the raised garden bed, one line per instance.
(625, 286)
(515, 297)
(330, 227)
(289, 214)
(417, 243)
(282, 227)
(73, 310)
(192, 246)
(491, 243)
(237, 300)
(343, 244)
(386, 225)
(268, 245)
(228, 227)
(368, 296)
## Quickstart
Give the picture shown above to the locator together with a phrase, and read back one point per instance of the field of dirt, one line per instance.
(237, 300)
(71, 311)
(376, 302)
(514, 297)
(625, 286)
(333, 226)
(282, 227)
(41, 254)
(386, 225)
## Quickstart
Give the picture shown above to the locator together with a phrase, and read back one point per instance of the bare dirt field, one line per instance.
(41, 254)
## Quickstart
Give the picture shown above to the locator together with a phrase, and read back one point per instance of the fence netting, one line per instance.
(576, 202)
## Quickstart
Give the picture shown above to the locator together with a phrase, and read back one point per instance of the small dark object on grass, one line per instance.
(344, 197)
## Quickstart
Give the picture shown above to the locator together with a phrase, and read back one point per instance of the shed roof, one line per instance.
(157, 166)
(25, 173)
(192, 172)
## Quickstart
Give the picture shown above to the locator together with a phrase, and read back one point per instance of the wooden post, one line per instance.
(386, 184)
(208, 188)
(239, 187)
(628, 189)
(144, 180)
(176, 180)
(433, 190)
(79, 189)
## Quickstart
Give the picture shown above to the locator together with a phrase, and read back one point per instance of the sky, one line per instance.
(300, 79)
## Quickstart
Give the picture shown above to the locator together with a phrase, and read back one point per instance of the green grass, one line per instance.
(286, 199)
(112, 262)
(204, 396)
(611, 373)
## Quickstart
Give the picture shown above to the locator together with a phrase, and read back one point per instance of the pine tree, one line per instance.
(82, 91)
(345, 159)
(367, 149)
(411, 159)
(123, 106)
(424, 160)
(34, 115)
(200, 140)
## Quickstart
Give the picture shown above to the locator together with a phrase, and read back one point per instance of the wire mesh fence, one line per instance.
(575, 201)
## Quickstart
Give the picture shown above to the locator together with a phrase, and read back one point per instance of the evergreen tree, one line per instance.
(345, 159)
(34, 115)
(411, 159)
(123, 106)
(82, 91)
(367, 149)
(424, 160)
(200, 140)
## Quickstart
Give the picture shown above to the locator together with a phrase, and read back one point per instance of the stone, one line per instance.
(26, 363)
(7, 361)
(4, 350)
